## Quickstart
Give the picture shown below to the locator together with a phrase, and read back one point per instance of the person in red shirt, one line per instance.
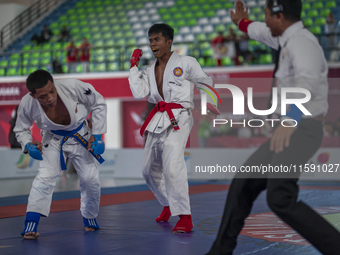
(216, 43)
(85, 55)
(72, 57)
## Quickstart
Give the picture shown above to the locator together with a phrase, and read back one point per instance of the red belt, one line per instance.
(161, 107)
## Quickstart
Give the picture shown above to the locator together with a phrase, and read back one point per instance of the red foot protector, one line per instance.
(184, 225)
(165, 214)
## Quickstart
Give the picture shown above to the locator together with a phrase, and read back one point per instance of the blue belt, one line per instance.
(74, 133)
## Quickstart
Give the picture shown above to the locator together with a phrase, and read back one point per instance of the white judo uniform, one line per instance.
(164, 168)
(80, 99)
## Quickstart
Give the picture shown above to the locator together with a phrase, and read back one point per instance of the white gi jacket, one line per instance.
(79, 98)
(302, 64)
(180, 74)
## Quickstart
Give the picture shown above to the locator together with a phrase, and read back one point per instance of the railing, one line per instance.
(25, 19)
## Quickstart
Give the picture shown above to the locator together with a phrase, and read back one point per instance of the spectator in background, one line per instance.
(328, 129)
(64, 34)
(234, 38)
(72, 57)
(329, 31)
(337, 127)
(46, 35)
(218, 44)
(11, 136)
(85, 55)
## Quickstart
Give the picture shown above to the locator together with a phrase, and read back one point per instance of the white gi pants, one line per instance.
(164, 168)
(85, 164)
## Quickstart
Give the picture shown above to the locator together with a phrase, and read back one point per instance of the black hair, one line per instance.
(37, 80)
(166, 30)
(291, 9)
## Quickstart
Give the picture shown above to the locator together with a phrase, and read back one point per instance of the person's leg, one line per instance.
(282, 193)
(152, 168)
(89, 185)
(40, 198)
(243, 190)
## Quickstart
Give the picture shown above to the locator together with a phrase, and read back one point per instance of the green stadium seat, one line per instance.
(99, 43)
(92, 16)
(3, 63)
(99, 9)
(83, 23)
(173, 9)
(210, 62)
(115, 27)
(26, 47)
(110, 42)
(325, 12)
(201, 37)
(25, 62)
(201, 61)
(166, 17)
(45, 61)
(316, 30)
(121, 42)
(228, 5)
(121, 14)
(11, 72)
(266, 59)
(34, 62)
(93, 22)
(81, 10)
(73, 17)
(308, 22)
(96, 36)
(111, 58)
(126, 65)
(256, 10)
(32, 69)
(35, 55)
(181, 23)
(252, 17)
(15, 56)
(118, 35)
(261, 17)
(79, 4)
(208, 52)
(100, 67)
(102, 15)
(112, 51)
(177, 16)
(303, 15)
(184, 8)
(63, 18)
(26, 55)
(113, 67)
(75, 31)
(99, 51)
(107, 35)
(100, 58)
(212, 35)
(194, 8)
(126, 27)
(54, 25)
(205, 45)
(132, 41)
(192, 22)
(2, 72)
(95, 29)
(318, 5)
(320, 21)
(199, 14)
(73, 24)
(205, 7)
(227, 61)
(210, 14)
(312, 14)
(104, 22)
(14, 63)
(217, 6)
(47, 46)
(331, 4)
(220, 28)
(306, 6)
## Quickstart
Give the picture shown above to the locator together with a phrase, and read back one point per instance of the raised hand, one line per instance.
(240, 13)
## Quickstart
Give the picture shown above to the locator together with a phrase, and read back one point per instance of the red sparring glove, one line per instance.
(135, 57)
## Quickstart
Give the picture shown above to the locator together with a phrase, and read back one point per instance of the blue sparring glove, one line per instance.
(98, 145)
(33, 151)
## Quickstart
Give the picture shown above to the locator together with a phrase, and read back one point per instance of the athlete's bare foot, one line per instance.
(31, 235)
(89, 229)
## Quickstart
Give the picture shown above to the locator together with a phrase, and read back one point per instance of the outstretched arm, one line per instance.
(139, 83)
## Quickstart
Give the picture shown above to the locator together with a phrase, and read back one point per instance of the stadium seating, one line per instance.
(116, 27)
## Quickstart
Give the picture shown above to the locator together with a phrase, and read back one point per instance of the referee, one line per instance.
(302, 64)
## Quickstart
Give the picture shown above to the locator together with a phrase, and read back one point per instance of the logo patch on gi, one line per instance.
(178, 71)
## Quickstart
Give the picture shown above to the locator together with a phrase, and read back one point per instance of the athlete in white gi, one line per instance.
(58, 107)
(168, 82)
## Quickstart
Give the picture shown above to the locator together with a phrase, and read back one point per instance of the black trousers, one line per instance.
(282, 194)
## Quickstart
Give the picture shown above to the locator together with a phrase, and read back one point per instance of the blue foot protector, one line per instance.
(31, 222)
(91, 223)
